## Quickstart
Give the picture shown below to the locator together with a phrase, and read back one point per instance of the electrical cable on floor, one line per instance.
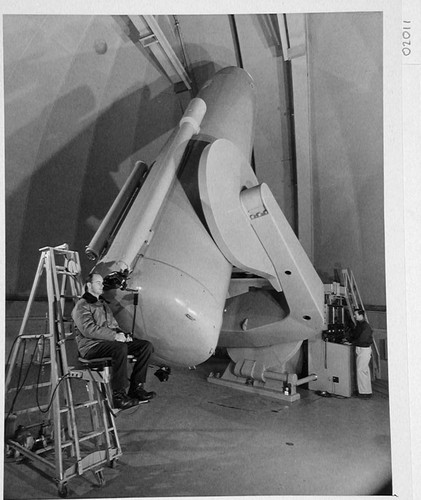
(325, 394)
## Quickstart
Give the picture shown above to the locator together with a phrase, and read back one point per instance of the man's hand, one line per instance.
(120, 337)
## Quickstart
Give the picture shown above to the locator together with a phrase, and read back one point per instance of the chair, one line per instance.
(101, 372)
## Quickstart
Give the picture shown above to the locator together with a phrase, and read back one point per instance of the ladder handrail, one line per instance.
(352, 291)
(57, 313)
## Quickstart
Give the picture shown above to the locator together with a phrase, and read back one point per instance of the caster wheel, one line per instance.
(63, 491)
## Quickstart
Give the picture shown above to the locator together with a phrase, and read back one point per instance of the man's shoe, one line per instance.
(364, 396)
(140, 393)
(122, 401)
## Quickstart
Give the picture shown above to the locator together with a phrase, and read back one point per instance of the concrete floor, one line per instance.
(201, 439)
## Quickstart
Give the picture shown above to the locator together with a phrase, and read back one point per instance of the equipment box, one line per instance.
(334, 366)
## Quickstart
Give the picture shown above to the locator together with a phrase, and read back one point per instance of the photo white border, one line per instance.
(402, 186)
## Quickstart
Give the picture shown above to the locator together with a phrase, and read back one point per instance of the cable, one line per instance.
(20, 383)
(325, 394)
(18, 386)
(183, 50)
(39, 372)
(67, 375)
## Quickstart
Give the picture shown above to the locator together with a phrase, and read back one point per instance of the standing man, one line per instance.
(99, 335)
(362, 338)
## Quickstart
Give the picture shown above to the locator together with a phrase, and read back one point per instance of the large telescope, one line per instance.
(178, 229)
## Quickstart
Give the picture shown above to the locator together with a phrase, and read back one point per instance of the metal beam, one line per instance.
(293, 34)
(150, 37)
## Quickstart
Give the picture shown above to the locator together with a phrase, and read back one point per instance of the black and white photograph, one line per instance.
(210, 249)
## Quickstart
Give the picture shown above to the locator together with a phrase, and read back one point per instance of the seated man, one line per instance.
(100, 336)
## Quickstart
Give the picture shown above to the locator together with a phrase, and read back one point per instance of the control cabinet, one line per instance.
(333, 364)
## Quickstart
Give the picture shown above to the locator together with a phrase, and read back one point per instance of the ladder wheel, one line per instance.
(62, 490)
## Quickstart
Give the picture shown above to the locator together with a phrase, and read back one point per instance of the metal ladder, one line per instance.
(354, 301)
(70, 438)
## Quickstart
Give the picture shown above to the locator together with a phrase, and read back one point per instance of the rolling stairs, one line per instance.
(354, 301)
(57, 417)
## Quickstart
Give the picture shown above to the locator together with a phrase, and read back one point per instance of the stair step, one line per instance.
(94, 434)
(28, 387)
(86, 404)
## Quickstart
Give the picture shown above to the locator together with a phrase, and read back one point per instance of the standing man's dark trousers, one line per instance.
(118, 351)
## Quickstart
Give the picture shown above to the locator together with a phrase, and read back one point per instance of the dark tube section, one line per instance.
(116, 214)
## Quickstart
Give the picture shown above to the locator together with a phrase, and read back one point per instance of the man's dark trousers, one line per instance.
(118, 351)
